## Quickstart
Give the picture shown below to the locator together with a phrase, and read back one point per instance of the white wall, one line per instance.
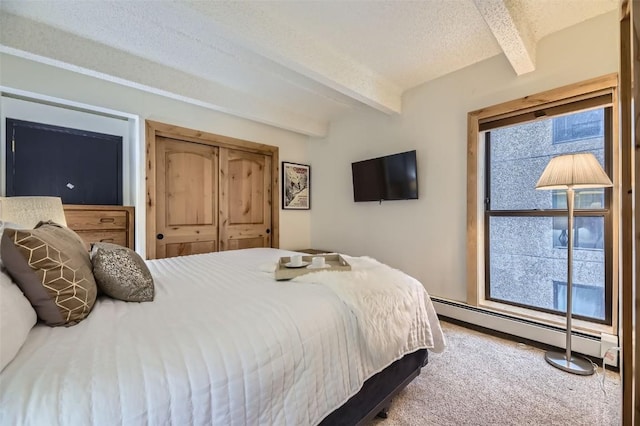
(427, 237)
(22, 74)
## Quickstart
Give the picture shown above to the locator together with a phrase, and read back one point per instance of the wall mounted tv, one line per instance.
(393, 177)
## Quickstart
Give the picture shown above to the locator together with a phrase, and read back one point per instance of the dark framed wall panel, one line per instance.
(79, 166)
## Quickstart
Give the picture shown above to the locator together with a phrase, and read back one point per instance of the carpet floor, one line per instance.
(485, 380)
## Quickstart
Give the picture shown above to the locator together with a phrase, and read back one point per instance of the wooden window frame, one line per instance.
(524, 109)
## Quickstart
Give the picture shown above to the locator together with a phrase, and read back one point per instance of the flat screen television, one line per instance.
(392, 177)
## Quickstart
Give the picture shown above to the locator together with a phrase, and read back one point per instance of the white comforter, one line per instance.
(223, 343)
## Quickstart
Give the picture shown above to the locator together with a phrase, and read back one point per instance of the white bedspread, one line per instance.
(223, 343)
(392, 309)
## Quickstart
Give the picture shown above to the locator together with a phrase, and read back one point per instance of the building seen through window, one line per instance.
(526, 230)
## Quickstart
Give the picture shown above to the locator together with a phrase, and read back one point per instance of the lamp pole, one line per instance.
(568, 362)
(570, 198)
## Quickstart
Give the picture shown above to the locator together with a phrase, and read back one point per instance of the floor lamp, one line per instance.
(570, 172)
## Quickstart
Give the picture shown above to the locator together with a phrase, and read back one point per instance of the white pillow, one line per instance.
(17, 318)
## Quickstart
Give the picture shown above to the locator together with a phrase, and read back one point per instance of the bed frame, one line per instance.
(377, 392)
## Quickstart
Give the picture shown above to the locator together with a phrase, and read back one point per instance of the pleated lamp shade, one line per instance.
(573, 171)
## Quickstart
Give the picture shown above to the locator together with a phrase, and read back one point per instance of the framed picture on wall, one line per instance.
(296, 186)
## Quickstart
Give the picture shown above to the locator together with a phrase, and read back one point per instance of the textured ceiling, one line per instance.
(292, 64)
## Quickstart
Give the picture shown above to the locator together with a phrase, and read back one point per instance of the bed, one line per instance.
(224, 343)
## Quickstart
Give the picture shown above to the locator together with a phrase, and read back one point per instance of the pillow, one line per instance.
(53, 269)
(17, 317)
(121, 273)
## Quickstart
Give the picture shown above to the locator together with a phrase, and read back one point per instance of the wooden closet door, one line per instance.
(245, 199)
(187, 198)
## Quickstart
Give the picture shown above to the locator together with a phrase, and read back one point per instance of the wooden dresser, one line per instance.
(109, 224)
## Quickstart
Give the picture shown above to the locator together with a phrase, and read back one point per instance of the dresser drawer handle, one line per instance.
(107, 220)
(106, 240)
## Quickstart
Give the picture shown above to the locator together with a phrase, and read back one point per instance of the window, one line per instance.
(582, 125)
(523, 232)
(526, 230)
(588, 299)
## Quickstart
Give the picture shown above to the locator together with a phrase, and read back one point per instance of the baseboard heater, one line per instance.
(581, 343)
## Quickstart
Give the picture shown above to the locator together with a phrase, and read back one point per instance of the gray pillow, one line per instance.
(121, 273)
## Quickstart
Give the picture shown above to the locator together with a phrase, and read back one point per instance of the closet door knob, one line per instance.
(268, 231)
(160, 236)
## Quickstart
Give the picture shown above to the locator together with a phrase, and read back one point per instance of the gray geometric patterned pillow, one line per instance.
(121, 273)
(52, 268)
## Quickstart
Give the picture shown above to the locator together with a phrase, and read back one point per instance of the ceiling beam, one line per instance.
(39, 42)
(511, 30)
(251, 25)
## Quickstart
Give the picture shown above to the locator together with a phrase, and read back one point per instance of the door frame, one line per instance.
(155, 129)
